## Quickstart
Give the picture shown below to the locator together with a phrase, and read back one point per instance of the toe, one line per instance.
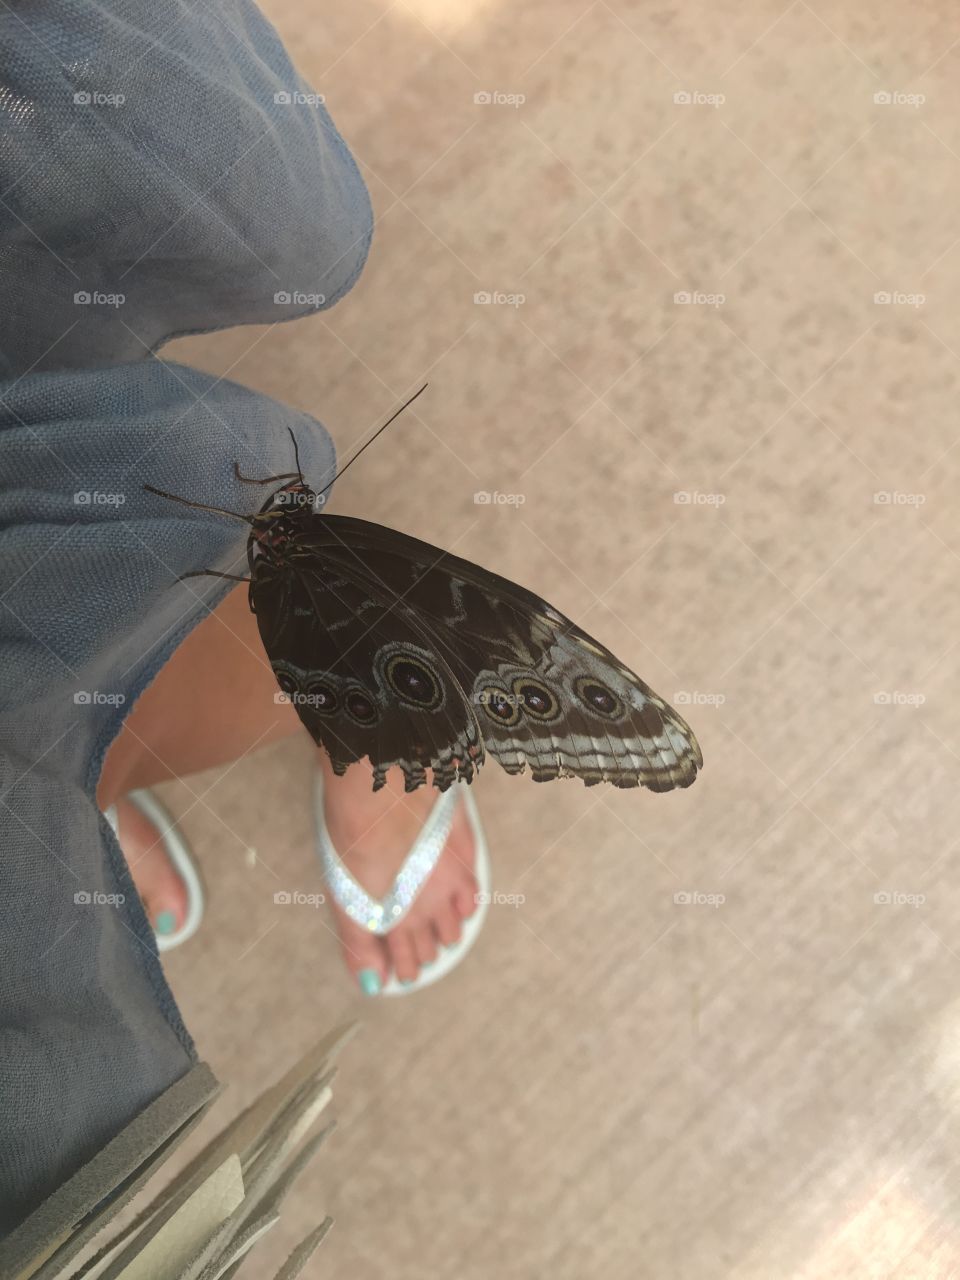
(366, 958)
(426, 944)
(403, 955)
(465, 899)
(447, 926)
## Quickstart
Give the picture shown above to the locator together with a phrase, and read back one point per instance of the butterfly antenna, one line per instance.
(296, 455)
(406, 404)
(200, 506)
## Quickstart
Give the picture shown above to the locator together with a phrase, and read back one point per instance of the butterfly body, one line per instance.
(395, 650)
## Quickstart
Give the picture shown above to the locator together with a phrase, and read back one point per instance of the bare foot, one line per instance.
(163, 892)
(373, 833)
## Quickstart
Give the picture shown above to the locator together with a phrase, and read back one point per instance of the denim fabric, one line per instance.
(169, 154)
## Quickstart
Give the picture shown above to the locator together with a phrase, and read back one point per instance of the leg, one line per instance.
(213, 702)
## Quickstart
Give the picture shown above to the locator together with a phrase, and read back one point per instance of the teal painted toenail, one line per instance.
(369, 981)
(407, 982)
(165, 923)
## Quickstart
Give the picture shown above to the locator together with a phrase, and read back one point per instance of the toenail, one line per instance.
(165, 923)
(369, 981)
(407, 982)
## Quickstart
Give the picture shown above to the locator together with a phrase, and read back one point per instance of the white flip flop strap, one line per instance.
(383, 914)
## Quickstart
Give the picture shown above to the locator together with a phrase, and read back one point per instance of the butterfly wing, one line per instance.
(362, 675)
(538, 690)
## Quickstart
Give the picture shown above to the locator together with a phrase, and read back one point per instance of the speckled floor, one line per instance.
(751, 497)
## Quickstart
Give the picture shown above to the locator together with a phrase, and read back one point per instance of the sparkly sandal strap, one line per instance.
(383, 914)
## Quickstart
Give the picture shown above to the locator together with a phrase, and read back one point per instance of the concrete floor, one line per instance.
(619, 1084)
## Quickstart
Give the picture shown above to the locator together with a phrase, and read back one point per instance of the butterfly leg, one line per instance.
(291, 475)
(212, 573)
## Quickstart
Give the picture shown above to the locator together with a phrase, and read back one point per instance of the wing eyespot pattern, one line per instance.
(599, 698)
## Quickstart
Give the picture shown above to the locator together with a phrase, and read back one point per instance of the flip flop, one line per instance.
(178, 851)
(382, 915)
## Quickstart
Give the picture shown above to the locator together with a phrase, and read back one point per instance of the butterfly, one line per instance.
(392, 649)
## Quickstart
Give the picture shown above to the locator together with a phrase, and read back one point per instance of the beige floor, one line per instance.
(618, 1084)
